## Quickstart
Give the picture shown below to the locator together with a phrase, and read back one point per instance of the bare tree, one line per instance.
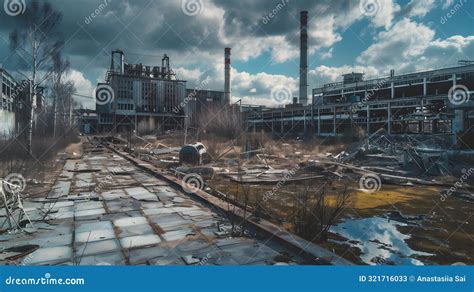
(37, 43)
(60, 90)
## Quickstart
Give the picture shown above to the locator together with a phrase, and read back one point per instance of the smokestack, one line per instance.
(227, 89)
(304, 58)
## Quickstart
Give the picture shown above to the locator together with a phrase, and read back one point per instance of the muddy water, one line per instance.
(438, 232)
(379, 240)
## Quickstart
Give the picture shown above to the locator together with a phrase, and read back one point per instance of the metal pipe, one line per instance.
(227, 83)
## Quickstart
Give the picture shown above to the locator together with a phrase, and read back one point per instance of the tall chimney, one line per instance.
(304, 58)
(227, 89)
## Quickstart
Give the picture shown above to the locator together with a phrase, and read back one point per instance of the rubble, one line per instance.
(397, 160)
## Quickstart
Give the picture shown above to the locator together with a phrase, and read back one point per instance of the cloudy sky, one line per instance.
(370, 36)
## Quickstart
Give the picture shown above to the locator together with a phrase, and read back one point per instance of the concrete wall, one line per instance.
(7, 123)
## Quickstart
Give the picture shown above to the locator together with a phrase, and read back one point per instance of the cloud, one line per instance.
(447, 4)
(257, 87)
(324, 74)
(398, 45)
(147, 29)
(83, 87)
(407, 46)
(384, 11)
(418, 8)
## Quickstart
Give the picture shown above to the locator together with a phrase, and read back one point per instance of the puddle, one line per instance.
(379, 241)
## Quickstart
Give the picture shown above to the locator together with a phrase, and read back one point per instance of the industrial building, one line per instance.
(7, 108)
(408, 103)
(199, 100)
(427, 102)
(15, 106)
(134, 95)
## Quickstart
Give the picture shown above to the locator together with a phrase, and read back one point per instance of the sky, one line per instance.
(368, 36)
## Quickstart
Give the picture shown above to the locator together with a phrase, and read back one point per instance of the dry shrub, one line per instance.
(15, 158)
(314, 216)
(214, 148)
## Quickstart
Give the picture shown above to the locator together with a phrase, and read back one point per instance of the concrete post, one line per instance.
(421, 124)
(319, 121)
(273, 123)
(458, 124)
(425, 87)
(136, 129)
(292, 119)
(389, 118)
(368, 120)
(304, 121)
(281, 122)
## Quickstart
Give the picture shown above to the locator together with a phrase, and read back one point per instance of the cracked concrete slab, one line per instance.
(103, 210)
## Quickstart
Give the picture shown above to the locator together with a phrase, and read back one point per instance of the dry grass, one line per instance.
(14, 156)
(221, 122)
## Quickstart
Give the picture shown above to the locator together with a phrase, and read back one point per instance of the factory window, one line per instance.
(466, 75)
(105, 119)
(125, 106)
(400, 83)
(440, 78)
